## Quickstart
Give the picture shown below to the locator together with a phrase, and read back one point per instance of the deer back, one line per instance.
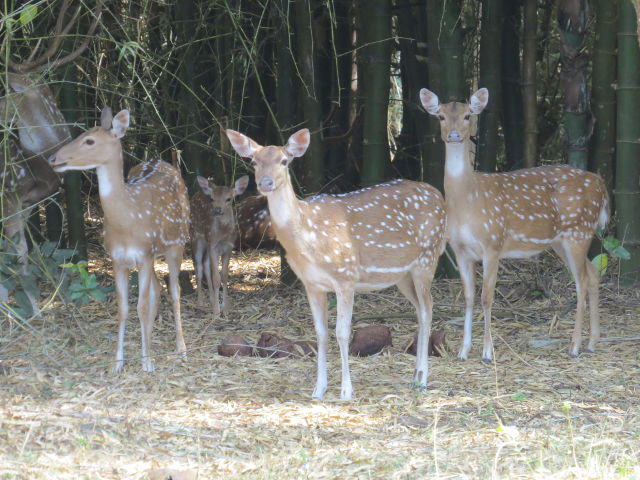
(159, 206)
(254, 223)
(34, 112)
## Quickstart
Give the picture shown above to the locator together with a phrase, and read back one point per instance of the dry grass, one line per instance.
(534, 413)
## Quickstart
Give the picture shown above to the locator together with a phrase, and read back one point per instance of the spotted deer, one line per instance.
(213, 236)
(388, 234)
(29, 108)
(515, 215)
(254, 224)
(145, 218)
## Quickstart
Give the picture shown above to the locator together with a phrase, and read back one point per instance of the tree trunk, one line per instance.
(312, 168)
(285, 102)
(490, 68)
(530, 149)
(512, 106)
(413, 141)
(375, 57)
(573, 18)
(446, 79)
(604, 95)
(627, 191)
(73, 180)
(186, 25)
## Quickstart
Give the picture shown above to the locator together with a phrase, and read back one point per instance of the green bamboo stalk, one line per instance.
(627, 183)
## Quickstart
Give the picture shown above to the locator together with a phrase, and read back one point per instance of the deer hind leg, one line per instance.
(574, 255)
(594, 314)
(467, 276)
(344, 300)
(224, 276)
(489, 278)
(121, 277)
(174, 260)
(198, 258)
(422, 286)
(18, 224)
(318, 304)
(148, 299)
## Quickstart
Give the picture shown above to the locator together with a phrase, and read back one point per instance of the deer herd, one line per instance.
(388, 234)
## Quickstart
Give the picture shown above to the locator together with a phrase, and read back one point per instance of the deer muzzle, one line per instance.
(266, 184)
(53, 161)
(454, 136)
(217, 210)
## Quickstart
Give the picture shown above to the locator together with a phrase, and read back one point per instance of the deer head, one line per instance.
(221, 196)
(270, 163)
(95, 147)
(455, 117)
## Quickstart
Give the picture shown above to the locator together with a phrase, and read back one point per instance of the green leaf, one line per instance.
(129, 48)
(610, 243)
(518, 396)
(621, 252)
(77, 295)
(28, 13)
(601, 262)
(23, 302)
(99, 295)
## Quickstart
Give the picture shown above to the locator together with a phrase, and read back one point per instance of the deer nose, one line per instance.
(217, 210)
(266, 184)
(454, 136)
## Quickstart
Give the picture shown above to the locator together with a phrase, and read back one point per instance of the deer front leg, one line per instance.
(489, 278)
(174, 259)
(467, 273)
(344, 300)
(214, 285)
(224, 275)
(148, 299)
(318, 304)
(121, 277)
(422, 285)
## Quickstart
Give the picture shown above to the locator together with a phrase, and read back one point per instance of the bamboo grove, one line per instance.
(564, 78)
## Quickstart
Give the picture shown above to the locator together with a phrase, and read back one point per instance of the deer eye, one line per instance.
(284, 162)
(467, 116)
(228, 200)
(89, 141)
(441, 118)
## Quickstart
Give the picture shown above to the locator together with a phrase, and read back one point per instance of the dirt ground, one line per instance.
(533, 413)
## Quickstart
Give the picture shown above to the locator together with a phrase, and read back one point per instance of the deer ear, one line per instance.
(204, 185)
(430, 101)
(106, 117)
(242, 144)
(18, 83)
(298, 143)
(120, 123)
(478, 101)
(241, 185)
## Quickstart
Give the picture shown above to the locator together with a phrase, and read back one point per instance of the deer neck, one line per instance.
(285, 210)
(113, 194)
(458, 169)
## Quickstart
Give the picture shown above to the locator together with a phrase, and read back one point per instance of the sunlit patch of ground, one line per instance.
(534, 413)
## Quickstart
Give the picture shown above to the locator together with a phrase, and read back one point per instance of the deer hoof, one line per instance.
(487, 360)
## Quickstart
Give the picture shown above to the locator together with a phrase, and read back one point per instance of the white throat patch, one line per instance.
(455, 159)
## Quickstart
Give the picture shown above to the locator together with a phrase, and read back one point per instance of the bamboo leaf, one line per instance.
(28, 13)
(601, 262)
